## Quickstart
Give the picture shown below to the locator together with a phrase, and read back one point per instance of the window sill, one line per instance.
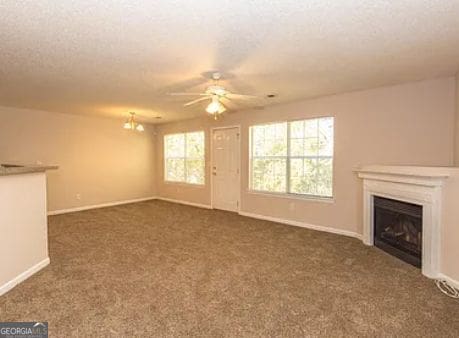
(185, 185)
(306, 198)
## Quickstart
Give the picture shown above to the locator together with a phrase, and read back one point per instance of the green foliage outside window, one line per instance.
(184, 159)
(293, 157)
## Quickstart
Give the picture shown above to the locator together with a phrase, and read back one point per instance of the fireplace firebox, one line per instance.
(398, 229)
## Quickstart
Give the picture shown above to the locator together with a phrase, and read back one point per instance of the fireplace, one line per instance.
(398, 229)
(422, 188)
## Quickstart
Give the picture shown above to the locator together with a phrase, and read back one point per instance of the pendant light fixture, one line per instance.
(132, 124)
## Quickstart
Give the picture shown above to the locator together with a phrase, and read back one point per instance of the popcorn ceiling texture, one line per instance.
(109, 57)
(156, 269)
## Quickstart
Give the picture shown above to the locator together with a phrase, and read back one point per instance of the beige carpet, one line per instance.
(161, 269)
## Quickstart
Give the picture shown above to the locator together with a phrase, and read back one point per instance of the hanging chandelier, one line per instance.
(132, 124)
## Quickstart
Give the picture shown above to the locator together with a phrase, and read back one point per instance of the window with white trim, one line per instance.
(293, 157)
(184, 158)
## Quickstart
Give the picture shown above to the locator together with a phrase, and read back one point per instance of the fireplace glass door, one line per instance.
(398, 229)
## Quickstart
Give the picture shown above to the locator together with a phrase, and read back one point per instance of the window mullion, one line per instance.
(287, 183)
(316, 183)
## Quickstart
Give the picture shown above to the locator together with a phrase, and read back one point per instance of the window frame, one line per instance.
(287, 193)
(184, 158)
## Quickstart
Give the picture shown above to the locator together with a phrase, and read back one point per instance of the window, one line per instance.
(184, 158)
(293, 157)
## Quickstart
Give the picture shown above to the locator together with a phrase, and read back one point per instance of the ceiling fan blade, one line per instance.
(188, 94)
(227, 103)
(235, 107)
(195, 101)
(240, 96)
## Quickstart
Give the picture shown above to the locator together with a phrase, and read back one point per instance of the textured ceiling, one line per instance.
(110, 57)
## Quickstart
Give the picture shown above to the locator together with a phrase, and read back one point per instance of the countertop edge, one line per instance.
(26, 169)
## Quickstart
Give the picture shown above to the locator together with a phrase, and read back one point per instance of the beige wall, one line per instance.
(409, 124)
(97, 158)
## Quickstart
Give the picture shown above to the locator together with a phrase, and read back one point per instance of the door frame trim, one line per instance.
(238, 126)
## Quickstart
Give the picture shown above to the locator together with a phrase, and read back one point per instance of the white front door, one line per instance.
(225, 169)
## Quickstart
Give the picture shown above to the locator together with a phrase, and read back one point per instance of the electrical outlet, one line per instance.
(78, 196)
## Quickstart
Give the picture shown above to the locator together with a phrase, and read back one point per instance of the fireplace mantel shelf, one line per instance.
(425, 176)
(432, 172)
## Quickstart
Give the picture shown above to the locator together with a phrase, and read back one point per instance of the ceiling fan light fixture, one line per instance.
(221, 109)
(212, 108)
(215, 92)
(215, 107)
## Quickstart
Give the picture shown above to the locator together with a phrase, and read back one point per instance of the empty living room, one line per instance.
(255, 168)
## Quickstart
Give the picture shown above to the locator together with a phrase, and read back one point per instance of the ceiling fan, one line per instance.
(220, 98)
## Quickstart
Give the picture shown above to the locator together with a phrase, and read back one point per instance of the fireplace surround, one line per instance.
(419, 186)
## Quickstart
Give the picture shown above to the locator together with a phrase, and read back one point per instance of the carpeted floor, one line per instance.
(157, 269)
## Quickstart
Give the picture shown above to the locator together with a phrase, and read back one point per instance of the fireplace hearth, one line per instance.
(398, 229)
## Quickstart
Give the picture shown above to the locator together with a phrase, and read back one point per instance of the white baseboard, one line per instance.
(302, 225)
(272, 219)
(23, 276)
(199, 205)
(111, 204)
(96, 206)
(449, 280)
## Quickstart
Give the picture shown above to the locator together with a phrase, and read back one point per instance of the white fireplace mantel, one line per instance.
(418, 185)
